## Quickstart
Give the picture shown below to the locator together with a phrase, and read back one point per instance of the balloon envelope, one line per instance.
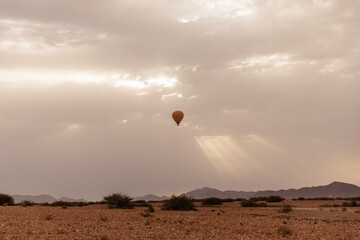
(178, 116)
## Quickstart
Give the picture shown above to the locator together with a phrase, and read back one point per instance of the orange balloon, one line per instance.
(178, 116)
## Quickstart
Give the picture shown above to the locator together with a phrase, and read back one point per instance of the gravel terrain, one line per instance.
(229, 221)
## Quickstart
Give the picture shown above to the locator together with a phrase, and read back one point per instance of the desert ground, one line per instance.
(228, 221)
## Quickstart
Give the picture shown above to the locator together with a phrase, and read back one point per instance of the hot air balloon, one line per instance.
(178, 116)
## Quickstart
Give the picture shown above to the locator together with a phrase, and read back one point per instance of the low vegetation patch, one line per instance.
(27, 203)
(350, 204)
(68, 204)
(250, 203)
(140, 203)
(344, 204)
(119, 200)
(211, 201)
(267, 199)
(284, 230)
(179, 203)
(274, 199)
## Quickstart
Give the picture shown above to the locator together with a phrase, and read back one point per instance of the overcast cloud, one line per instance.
(269, 90)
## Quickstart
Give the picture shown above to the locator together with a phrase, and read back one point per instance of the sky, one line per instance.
(269, 90)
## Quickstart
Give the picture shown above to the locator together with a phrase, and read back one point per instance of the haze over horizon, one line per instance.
(269, 90)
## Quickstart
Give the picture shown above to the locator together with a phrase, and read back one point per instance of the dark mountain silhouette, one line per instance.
(151, 197)
(43, 198)
(335, 189)
(211, 192)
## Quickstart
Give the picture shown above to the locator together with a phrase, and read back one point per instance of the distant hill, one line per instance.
(36, 199)
(211, 192)
(335, 189)
(151, 197)
(43, 198)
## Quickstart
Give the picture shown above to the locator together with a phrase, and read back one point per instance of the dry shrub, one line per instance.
(179, 203)
(6, 199)
(150, 208)
(119, 200)
(286, 208)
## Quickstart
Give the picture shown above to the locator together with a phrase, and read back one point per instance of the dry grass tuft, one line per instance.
(284, 230)
(145, 214)
(104, 218)
(104, 237)
(286, 208)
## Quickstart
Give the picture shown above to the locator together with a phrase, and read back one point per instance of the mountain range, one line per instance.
(43, 198)
(334, 189)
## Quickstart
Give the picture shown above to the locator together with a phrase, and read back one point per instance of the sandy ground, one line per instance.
(228, 221)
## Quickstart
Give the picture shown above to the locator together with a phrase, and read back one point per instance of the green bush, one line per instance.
(179, 203)
(119, 200)
(248, 203)
(68, 204)
(6, 199)
(211, 201)
(267, 199)
(240, 199)
(274, 199)
(321, 199)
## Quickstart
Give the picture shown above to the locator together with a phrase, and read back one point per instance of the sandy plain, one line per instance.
(229, 221)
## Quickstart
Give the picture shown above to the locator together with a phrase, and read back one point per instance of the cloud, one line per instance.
(87, 92)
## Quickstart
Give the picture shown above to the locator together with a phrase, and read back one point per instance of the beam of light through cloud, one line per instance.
(221, 152)
(234, 157)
